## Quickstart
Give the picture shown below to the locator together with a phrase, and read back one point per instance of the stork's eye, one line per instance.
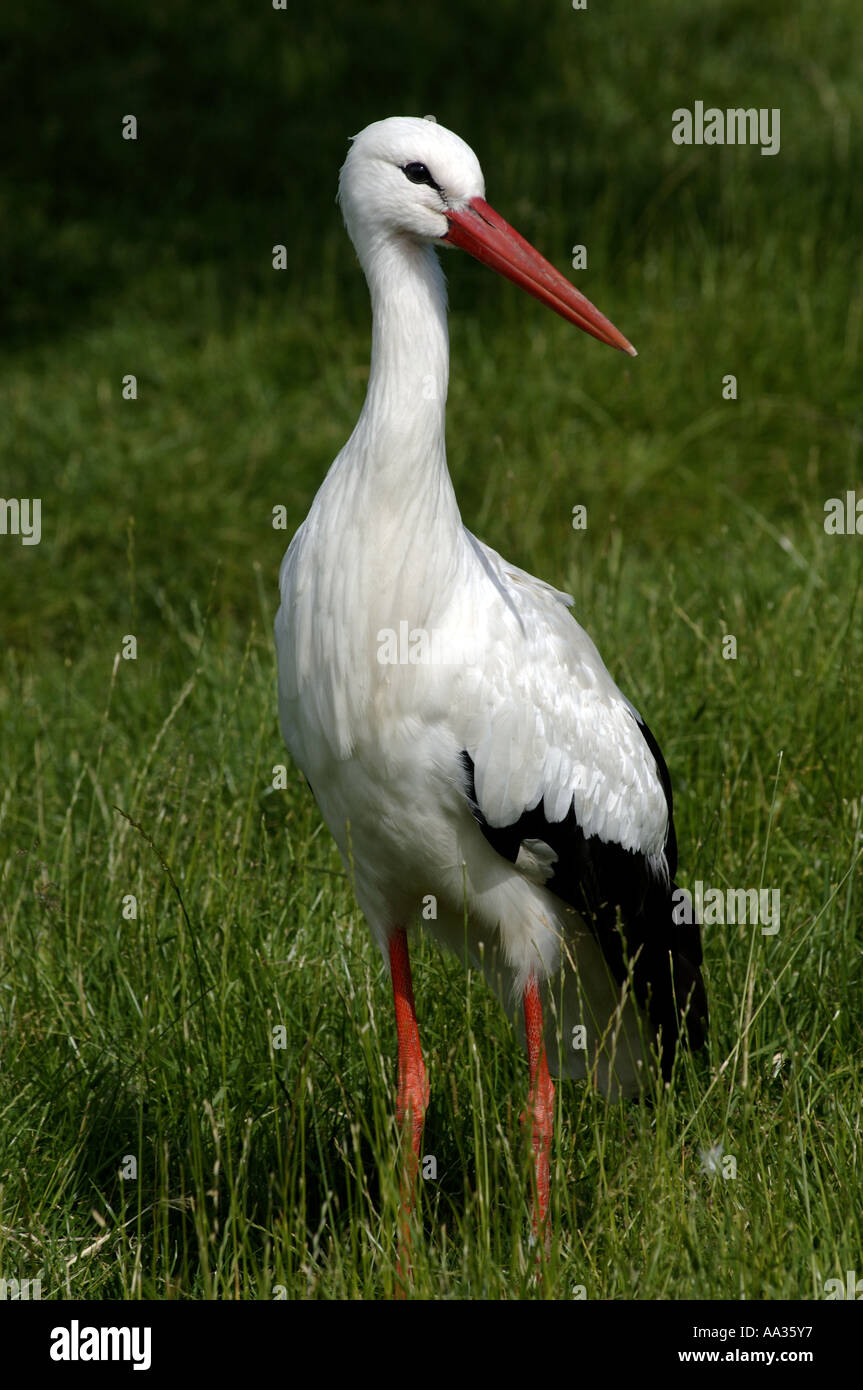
(418, 173)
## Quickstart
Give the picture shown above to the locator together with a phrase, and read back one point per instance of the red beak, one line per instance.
(483, 233)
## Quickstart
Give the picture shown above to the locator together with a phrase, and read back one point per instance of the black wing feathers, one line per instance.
(626, 906)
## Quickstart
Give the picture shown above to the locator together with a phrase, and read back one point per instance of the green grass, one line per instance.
(262, 1168)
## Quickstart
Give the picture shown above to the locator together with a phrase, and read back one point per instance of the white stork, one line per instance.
(458, 729)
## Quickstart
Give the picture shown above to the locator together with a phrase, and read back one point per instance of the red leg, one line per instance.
(413, 1092)
(540, 1105)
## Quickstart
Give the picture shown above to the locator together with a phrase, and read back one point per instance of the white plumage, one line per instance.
(504, 691)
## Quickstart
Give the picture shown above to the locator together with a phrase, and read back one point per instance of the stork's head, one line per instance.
(404, 174)
(411, 177)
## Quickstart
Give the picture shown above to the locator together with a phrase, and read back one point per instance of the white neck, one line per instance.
(397, 452)
(383, 542)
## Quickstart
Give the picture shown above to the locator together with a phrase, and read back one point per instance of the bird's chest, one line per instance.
(366, 641)
(369, 677)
